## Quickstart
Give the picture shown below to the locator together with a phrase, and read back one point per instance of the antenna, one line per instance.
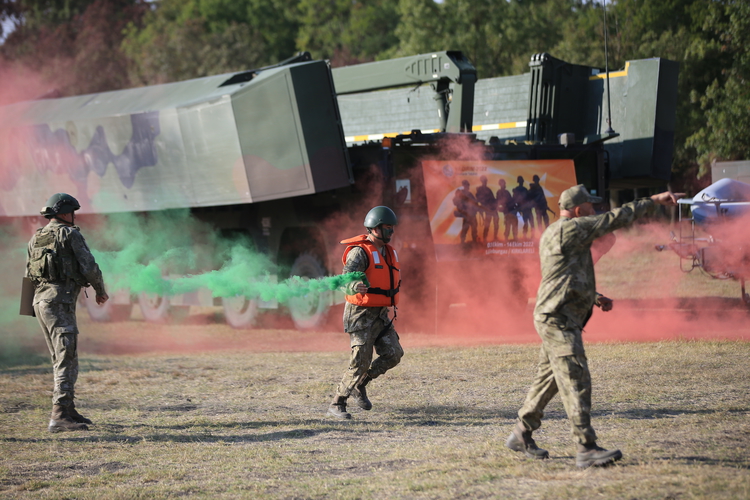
(609, 130)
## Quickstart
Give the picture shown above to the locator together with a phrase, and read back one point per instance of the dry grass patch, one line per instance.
(633, 269)
(248, 425)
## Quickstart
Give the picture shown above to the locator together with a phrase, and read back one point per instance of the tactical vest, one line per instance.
(381, 272)
(48, 261)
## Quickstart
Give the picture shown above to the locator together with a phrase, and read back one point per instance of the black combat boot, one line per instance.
(520, 440)
(591, 455)
(61, 421)
(338, 408)
(77, 416)
(360, 394)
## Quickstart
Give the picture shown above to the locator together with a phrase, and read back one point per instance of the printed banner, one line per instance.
(481, 209)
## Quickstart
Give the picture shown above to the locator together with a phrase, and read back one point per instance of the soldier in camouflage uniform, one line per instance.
(565, 301)
(366, 310)
(59, 263)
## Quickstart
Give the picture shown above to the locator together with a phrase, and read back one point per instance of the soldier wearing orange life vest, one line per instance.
(366, 318)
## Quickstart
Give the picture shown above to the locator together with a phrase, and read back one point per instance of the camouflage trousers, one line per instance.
(568, 375)
(363, 342)
(58, 322)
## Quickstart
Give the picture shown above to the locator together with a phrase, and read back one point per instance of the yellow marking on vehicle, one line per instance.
(612, 74)
(498, 126)
(378, 137)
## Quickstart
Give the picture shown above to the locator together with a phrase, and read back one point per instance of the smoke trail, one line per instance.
(165, 253)
(20, 339)
(148, 252)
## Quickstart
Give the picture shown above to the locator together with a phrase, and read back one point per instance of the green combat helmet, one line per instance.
(380, 215)
(60, 203)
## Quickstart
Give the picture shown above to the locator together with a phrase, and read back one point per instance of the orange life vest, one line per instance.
(381, 272)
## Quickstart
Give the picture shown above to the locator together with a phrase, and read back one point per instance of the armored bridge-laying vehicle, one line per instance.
(275, 153)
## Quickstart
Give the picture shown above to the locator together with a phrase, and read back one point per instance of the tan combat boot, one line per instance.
(360, 394)
(77, 416)
(61, 421)
(520, 440)
(591, 455)
(338, 408)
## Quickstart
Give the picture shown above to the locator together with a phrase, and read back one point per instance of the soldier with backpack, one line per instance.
(59, 264)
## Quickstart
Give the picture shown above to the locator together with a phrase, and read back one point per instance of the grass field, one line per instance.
(202, 410)
(252, 425)
(633, 269)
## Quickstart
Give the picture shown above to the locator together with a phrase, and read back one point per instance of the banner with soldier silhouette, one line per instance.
(479, 209)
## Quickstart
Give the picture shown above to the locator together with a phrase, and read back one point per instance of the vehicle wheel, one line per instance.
(308, 311)
(106, 312)
(239, 311)
(155, 308)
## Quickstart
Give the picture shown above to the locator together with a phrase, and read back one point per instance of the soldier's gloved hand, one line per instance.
(605, 303)
(101, 299)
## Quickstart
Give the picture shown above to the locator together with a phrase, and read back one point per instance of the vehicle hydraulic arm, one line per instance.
(455, 105)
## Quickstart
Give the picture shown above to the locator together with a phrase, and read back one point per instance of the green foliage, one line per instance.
(189, 39)
(582, 40)
(345, 31)
(420, 25)
(642, 29)
(726, 100)
(93, 45)
(36, 14)
(474, 27)
(477, 30)
(498, 37)
(74, 45)
(709, 40)
(546, 25)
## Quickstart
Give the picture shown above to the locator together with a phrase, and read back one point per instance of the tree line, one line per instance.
(85, 46)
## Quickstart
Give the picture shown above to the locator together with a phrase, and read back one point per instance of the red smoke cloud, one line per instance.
(456, 303)
(18, 83)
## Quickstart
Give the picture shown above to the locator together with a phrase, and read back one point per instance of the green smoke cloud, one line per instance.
(20, 337)
(165, 253)
(170, 253)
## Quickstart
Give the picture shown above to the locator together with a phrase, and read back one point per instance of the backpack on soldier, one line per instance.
(44, 261)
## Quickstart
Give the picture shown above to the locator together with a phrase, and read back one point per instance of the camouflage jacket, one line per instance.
(77, 266)
(568, 288)
(359, 317)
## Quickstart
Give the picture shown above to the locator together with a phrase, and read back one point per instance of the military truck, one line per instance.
(276, 153)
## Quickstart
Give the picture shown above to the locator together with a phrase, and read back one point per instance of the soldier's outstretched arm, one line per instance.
(667, 198)
(595, 226)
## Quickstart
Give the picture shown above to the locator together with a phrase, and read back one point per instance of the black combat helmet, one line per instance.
(380, 215)
(60, 203)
